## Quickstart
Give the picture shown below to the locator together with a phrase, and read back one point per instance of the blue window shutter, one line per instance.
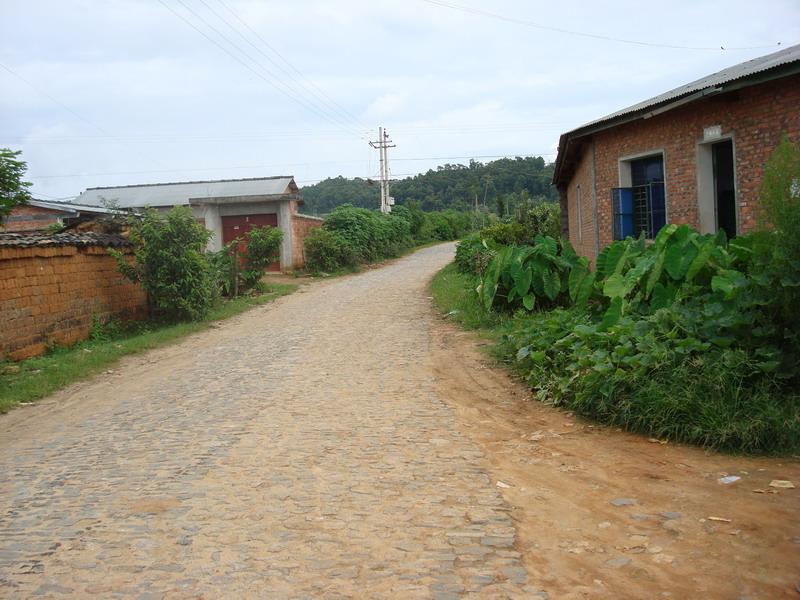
(658, 208)
(622, 204)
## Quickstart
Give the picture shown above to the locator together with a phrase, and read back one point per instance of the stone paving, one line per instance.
(297, 451)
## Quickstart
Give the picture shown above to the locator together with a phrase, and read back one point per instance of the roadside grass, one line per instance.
(707, 402)
(38, 377)
(454, 295)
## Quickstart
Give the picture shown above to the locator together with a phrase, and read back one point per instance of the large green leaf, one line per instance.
(522, 282)
(635, 275)
(701, 260)
(551, 282)
(655, 273)
(546, 245)
(612, 315)
(576, 275)
(613, 254)
(679, 254)
(614, 286)
(663, 296)
(665, 234)
(529, 301)
(728, 282)
(584, 290)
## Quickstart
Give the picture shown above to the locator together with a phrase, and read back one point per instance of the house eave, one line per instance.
(561, 176)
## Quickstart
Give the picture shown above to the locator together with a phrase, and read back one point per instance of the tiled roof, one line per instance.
(80, 240)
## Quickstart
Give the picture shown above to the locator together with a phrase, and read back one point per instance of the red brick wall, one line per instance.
(51, 294)
(756, 117)
(582, 235)
(30, 218)
(301, 225)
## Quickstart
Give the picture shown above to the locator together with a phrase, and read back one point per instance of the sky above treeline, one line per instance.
(120, 92)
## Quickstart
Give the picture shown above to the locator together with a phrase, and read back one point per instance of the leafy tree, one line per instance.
(170, 263)
(263, 249)
(450, 186)
(13, 190)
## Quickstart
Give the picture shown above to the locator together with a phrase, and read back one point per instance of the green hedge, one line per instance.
(692, 337)
(352, 236)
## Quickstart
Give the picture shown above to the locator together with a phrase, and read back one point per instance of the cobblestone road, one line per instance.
(297, 451)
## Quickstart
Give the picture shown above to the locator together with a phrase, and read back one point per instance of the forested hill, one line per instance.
(500, 183)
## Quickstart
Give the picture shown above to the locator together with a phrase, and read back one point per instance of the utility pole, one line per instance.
(383, 144)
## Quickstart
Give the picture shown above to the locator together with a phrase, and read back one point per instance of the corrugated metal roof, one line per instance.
(755, 70)
(745, 69)
(179, 193)
(70, 206)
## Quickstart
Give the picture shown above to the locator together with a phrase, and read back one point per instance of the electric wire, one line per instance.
(262, 166)
(77, 115)
(244, 63)
(321, 93)
(332, 113)
(597, 36)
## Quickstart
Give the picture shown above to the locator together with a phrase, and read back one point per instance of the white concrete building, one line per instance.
(227, 207)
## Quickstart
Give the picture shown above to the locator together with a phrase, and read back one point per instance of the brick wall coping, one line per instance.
(302, 216)
(79, 240)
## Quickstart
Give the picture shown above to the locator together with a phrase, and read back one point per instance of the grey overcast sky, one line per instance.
(117, 92)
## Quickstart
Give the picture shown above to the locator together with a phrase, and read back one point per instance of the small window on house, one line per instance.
(579, 211)
(640, 208)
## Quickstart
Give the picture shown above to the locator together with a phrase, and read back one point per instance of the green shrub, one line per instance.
(170, 263)
(645, 376)
(263, 249)
(542, 218)
(372, 236)
(528, 276)
(327, 252)
(504, 233)
(223, 268)
(776, 255)
(473, 255)
(691, 337)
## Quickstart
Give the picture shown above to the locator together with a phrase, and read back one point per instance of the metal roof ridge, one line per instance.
(138, 185)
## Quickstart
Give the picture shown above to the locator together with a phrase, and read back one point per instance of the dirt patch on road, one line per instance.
(606, 514)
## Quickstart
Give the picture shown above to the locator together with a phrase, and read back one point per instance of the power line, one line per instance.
(607, 38)
(311, 83)
(262, 166)
(322, 106)
(273, 81)
(288, 94)
(73, 113)
(255, 137)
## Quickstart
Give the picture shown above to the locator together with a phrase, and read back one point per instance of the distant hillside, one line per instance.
(500, 183)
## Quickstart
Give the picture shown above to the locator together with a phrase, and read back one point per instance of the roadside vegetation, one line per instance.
(499, 186)
(187, 289)
(35, 378)
(692, 338)
(351, 237)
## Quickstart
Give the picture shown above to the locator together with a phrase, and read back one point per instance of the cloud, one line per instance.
(445, 83)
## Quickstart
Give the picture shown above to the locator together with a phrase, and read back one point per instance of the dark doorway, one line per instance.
(724, 187)
(239, 226)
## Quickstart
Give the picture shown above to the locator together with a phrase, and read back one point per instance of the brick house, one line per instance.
(37, 215)
(228, 208)
(692, 155)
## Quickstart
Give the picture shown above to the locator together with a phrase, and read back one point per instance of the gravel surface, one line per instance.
(299, 450)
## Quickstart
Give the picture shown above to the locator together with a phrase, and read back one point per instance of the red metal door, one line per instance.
(239, 225)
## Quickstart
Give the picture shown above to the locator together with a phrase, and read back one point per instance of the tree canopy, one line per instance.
(500, 185)
(13, 190)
